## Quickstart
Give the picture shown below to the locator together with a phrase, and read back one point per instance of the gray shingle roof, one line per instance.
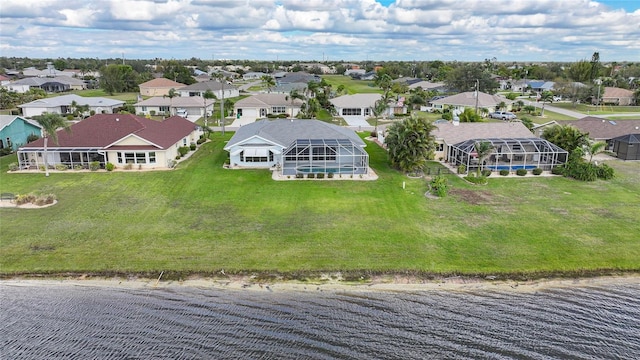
(284, 132)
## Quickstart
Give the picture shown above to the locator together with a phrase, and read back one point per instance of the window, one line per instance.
(352, 111)
(152, 158)
(136, 158)
(440, 147)
(164, 108)
(278, 110)
(184, 142)
(8, 142)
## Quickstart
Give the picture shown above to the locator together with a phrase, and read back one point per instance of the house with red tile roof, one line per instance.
(120, 139)
(159, 87)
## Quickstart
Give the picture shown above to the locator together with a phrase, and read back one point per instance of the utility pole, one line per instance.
(477, 94)
(222, 107)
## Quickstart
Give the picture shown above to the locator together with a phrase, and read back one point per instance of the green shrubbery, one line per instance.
(439, 186)
(192, 146)
(94, 166)
(13, 167)
(472, 178)
(110, 166)
(61, 167)
(311, 175)
(486, 173)
(504, 172)
(521, 172)
(536, 171)
(320, 175)
(183, 150)
(462, 168)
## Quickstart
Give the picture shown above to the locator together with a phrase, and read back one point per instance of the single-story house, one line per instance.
(297, 77)
(514, 146)
(356, 105)
(627, 147)
(48, 84)
(428, 85)
(219, 89)
(191, 106)
(298, 146)
(253, 75)
(120, 139)
(14, 131)
(261, 105)
(541, 86)
(600, 129)
(62, 105)
(469, 99)
(618, 96)
(159, 87)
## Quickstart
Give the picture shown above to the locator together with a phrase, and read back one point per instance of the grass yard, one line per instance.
(351, 86)
(598, 110)
(202, 218)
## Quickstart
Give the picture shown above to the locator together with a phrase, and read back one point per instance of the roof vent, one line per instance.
(117, 119)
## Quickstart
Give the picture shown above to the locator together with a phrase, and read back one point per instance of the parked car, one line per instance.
(182, 112)
(504, 115)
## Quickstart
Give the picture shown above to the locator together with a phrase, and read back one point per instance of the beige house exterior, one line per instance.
(159, 87)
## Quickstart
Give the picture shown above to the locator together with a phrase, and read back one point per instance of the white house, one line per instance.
(218, 89)
(298, 147)
(62, 105)
(262, 105)
(191, 107)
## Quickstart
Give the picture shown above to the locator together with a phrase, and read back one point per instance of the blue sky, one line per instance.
(308, 30)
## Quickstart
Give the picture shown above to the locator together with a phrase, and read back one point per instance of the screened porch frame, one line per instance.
(509, 154)
(324, 156)
(34, 158)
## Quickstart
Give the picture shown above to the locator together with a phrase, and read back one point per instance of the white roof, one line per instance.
(66, 100)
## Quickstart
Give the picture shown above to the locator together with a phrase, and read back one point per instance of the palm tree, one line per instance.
(410, 143)
(171, 95)
(595, 148)
(293, 95)
(567, 137)
(469, 115)
(380, 107)
(207, 95)
(50, 122)
(545, 97)
(483, 149)
(268, 82)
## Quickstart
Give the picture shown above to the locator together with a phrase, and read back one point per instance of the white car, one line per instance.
(504, 115)
(182, 112)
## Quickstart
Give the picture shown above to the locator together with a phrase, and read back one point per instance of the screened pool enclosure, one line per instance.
(337, 156)
(509, 154)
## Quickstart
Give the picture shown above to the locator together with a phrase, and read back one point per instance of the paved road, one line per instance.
(579, 115)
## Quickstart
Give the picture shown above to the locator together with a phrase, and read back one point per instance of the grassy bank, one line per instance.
(202, 218)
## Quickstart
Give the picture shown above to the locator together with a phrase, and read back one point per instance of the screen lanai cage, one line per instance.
(338, 156)
(509, 154)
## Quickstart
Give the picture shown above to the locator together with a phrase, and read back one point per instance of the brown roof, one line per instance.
(162, 83)
(614, 92)
(604, 129)
(453, 134)
(102, 130)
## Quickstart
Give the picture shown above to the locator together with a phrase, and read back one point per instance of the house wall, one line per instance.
(21, 89)
(247, 113)
(155, 91)
(35, 111)
(17, 133)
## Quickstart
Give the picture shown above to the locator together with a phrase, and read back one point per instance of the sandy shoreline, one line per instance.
(331, 284)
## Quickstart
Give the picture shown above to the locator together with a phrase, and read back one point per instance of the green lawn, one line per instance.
(351, 86)
(203, 218)
(598, 110)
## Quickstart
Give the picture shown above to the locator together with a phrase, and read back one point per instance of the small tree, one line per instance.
(483, 149)
(50, 122)
(410, 143)
(595, 149)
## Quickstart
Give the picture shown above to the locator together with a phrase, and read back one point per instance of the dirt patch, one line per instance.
(474, 197)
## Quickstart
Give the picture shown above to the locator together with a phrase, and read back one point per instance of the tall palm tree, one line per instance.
(172, 93)
(207, 95)
(545, 97)
(293, 95)
(380, 107)
(483, 149)
(50, 122)
(268, 82)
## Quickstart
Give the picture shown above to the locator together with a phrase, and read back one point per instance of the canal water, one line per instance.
(67, 321)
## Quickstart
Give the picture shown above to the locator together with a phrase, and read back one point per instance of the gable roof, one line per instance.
(102, 130)
(266, 100)
(161, 83)
(604, 129)
(469, 99)
(614, 92)
(66, 100)
(207, 85)
(6, 120)
(356, 101)
(453, 134)
(178, 101)
(284, 132)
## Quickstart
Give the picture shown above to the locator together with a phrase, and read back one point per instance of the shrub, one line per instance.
(152, 112)
(110, 166)
(536, 171)
(92, 112)
(13, 166)
(486, 173)
(462, 168)
(128, 166)
(22, 199)
(77, 167)
(299, 176)
(373, 134)
(330, 175)
(5, 151)
(32, 137)
(320, 175)
(472, 178)
(558, 170)
(70, 117)
(311, 175)
(439, 186)
(605, 172)
(61, 167)
(178, 157)
(94, 165)
(521, 172)
(41, 168)
(192, 146)
(200, 141)
(183, 150)
(504, 172)
(49, 198)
